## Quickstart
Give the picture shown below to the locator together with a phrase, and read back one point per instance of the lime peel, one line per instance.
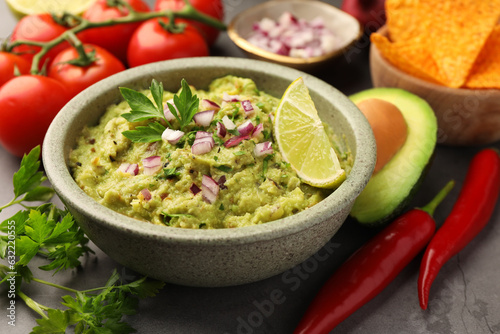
(302, 141)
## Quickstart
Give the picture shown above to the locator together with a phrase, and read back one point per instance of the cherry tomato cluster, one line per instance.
(29, 102)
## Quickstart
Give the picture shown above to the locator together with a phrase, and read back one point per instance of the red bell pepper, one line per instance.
(470, 214)
(371, 268)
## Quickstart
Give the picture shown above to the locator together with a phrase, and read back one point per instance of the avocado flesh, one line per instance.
(390, 190)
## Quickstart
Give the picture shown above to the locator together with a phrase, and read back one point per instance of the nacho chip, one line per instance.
(453, 32)
(409, 58)
(486, 70)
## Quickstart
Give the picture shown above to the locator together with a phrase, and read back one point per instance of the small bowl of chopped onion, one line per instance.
(304, 35)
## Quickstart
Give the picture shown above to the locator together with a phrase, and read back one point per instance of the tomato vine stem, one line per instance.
(187, 12)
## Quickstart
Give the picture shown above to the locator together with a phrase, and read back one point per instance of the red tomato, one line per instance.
(113, 38)
(151, 42)
(212, 8)
(28, 103)
(40, 28)
(77, 78)
(8, 63)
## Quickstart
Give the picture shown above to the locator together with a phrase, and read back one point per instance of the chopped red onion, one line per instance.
(209, 105)
(230, 98)
(258, 130)
(202, 145)
(132, 169)
(168, 114)
(294, 37)
(202, 134)
(246, 128)
(194, 189)
(228, 123)
(151, 164)
(221, 130)
(204, 118)
(209, 189)
(146, 194)
(263, 149)
(172, 136)
(235, 140)
(247, 106)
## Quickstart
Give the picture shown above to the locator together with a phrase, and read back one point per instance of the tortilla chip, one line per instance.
(409, 58)
(453, 32)
(486, 70)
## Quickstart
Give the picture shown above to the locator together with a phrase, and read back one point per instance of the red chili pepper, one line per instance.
(469, 215)
(371, 268)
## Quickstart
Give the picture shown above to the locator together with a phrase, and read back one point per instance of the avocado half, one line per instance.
(390, 190)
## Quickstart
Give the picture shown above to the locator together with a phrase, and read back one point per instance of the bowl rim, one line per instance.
(57, 171)
(243, 43)
(376, 54)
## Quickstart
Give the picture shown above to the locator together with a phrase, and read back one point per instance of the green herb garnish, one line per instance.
(142, 109)
(225, 169)
(52, 233)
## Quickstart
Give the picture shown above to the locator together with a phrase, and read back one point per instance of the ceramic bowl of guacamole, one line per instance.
(175, 249)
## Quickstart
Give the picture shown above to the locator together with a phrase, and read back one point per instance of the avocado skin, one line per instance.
(370, 208)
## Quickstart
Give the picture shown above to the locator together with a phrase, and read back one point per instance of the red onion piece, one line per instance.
(168, 114)
(264, 148)
(230, 98)
(151, 164)
(209, 105)
(146, 194)
(194, 189)
(247, 106)
(202, 145)
(246, 128)
(202, 134)
(204, 118)
(228, 123)
(132, 169)
(172, 136)
(235, 140)
(258, 130)
(209, 189)
(271, 116)
(221, 130)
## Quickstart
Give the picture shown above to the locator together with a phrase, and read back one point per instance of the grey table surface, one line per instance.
(465, 297)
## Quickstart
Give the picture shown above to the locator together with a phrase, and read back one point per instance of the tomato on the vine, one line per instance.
(8, 64)
(77, 77)
(28, 103)
(39, 28)
(113, 38)
(152, 42)
(212, 8)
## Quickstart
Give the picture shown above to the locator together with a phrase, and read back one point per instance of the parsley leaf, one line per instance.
(142, 109)
(145, 134)
(187, 104)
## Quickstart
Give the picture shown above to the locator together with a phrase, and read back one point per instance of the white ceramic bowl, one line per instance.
(208, 257)
(345, 27)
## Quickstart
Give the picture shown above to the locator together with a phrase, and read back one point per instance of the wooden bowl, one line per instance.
(346, 27)
(466, 117)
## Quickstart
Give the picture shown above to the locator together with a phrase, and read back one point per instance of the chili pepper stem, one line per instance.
(433, 204)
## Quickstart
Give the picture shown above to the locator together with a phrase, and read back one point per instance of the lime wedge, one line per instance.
(302, 139)
(21, 8)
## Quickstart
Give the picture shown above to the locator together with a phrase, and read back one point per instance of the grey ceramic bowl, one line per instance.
(208, 257)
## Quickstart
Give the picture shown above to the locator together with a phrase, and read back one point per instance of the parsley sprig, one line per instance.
(142, 109)
(52, 233)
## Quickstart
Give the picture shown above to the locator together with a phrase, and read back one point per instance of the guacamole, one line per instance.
(240, 179)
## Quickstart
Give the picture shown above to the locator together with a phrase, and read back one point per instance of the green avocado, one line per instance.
(390, 190)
